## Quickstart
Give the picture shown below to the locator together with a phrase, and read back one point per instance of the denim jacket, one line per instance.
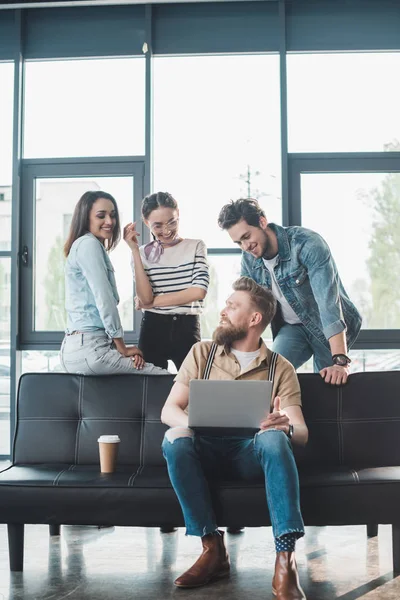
(91, 295)
(308, 278)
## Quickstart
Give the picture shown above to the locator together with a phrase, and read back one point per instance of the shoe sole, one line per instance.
(211, 580)
(274, 592)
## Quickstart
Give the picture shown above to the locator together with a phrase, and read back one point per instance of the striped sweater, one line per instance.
(180, 267)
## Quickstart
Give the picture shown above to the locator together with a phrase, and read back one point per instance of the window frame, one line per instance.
(64, 168)
(326, 163)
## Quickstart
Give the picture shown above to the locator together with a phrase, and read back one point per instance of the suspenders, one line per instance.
(211, 355)
(210, 360)
(272, 367)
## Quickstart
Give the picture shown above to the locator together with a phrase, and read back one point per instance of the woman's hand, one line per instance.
(133, 351)
(138, 361)
(131, 236)
(139, 304)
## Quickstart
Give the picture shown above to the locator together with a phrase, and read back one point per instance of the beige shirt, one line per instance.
(226, 366)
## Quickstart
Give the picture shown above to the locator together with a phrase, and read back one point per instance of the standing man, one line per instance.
(194, 459)
(315, 316)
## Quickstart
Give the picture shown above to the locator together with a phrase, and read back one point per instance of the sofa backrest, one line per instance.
(60, 417)
(356, 425)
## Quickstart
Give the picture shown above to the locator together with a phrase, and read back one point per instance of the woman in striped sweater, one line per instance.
(171, 275)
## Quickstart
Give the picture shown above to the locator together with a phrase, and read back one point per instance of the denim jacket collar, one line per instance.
(283, 245)
(283, 241)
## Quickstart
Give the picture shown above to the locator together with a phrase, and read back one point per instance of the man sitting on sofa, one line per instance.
(192, 459)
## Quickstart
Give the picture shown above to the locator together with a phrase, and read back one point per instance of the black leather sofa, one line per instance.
(349, 472)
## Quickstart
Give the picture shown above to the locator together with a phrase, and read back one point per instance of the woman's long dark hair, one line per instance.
(80, 220)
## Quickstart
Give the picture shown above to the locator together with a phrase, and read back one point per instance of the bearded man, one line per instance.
(193, 460)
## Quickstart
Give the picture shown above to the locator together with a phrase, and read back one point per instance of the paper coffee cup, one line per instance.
(108, 450)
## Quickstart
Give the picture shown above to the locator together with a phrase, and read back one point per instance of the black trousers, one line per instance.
(168, 337)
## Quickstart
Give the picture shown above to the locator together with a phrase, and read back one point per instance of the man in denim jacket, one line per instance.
(315, 316)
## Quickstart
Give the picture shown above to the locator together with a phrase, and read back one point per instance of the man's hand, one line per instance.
(139, 304)
(278, 419)
(335, 375)
(131, 236)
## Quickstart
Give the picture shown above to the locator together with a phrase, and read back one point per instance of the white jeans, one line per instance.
(94, 353)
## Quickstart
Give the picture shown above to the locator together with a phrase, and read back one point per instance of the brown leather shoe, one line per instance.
(212, 564)
(285, 584)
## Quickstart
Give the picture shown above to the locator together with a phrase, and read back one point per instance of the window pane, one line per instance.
(5, 314)
(223, 272)
(41, 361)
(363, 231)
(55, 202)
(84, 108)
(6, 139)
(217, 137)
(343, 102)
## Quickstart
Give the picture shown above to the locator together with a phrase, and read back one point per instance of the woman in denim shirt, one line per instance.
(94, 342)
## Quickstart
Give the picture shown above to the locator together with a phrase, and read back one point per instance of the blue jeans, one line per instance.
(193, 461)
(297, 344)
(94, 353)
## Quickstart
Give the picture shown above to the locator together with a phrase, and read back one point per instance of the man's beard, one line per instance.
(226, 335)
(267, 250)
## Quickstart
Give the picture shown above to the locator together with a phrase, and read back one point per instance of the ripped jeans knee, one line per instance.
(175, 433)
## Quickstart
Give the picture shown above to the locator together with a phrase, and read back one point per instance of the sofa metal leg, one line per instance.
(16, 545)
(372, 530)
(396, 548)
(54, 530)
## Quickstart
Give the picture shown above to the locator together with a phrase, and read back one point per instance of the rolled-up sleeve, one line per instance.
(201, 276)
(286, 384)
(193, 365)
(90, 259)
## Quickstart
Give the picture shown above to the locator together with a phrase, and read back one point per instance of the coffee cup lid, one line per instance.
(109, 439)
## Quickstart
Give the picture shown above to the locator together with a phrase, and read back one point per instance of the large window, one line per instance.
(217, 138)
(346, 102)
(5, 312)
(363, 231)
(50, 193)
(84, 108)
(6, 141)
(6, 136)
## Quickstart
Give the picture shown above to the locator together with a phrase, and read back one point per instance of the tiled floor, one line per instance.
(85, 563)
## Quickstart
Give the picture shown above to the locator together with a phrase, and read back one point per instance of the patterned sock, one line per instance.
(286, 543)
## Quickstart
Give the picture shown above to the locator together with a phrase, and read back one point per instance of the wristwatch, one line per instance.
(341, 360)
(290, 432)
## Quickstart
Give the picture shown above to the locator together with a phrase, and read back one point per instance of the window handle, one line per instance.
(25, 255)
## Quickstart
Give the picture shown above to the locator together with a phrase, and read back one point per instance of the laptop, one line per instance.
(235, 406)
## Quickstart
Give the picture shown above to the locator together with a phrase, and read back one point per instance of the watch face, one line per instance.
(341, 360)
